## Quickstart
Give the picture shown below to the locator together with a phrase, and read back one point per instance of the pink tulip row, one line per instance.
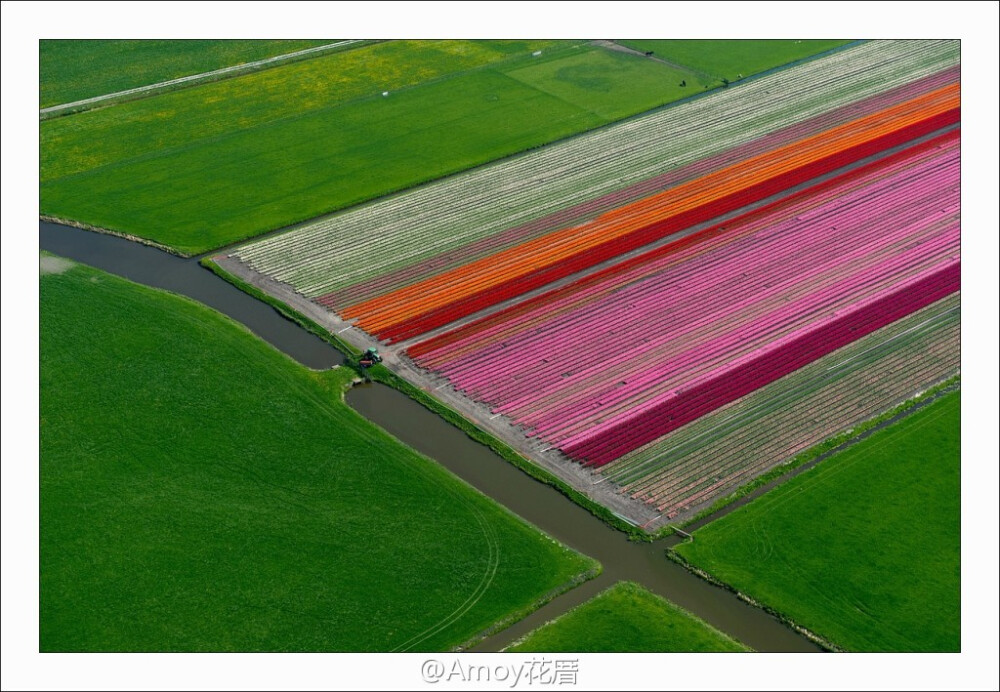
(602, 367)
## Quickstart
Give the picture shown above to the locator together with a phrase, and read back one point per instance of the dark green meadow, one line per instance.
(199, 491)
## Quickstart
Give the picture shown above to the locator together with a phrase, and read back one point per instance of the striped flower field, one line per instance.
(654, 343)
(727, 448)
(684, 300)
(538, 188)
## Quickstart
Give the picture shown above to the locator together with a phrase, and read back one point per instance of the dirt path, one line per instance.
(611, 45)
(95, 101)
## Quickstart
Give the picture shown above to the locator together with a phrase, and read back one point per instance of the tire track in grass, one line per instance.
(489, 534)
(477, 594)
(491, 541)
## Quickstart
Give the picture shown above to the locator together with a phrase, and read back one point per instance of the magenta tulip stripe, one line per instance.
(607, 365)
(730, 446)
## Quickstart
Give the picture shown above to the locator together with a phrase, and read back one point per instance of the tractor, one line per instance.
(370, 358)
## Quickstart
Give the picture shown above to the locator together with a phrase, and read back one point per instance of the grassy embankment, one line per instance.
(199, 491)
(863, 549)
(626, 619)
(210, 165)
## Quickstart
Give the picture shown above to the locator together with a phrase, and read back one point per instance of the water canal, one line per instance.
(540, 504)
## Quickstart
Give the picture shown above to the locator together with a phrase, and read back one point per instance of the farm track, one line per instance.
(189, 80)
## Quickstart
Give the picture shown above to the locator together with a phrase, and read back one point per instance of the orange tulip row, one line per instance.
(706, 197)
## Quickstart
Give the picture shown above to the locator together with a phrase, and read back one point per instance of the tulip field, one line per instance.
(418, 234)
(726, 448)
(653, 343)
(683, 300)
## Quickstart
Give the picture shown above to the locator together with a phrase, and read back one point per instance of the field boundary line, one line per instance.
(776, 614)
(189, 80)
(850, 437)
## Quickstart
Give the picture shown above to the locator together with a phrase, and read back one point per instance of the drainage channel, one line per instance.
(540, 504)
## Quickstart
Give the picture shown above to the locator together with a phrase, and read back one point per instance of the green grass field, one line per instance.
(200, 491)
(76, 70)
(210, 165)
(626, 618)
(728, 58)
(864, 548)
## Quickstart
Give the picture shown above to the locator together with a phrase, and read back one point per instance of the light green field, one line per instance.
(76, 70)
(728, 58)
(864, 548)
(210, 165)
(199, 491)
(627, 618)
(607, 84)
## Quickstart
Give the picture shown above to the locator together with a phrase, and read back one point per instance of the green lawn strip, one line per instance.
(166, 122)
(626, 618)
(729, 58)
(73, 70)
(199, 491)
(212, 165)
(863, 549)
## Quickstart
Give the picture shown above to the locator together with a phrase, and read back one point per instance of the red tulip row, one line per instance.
(433, 303)
(591, 208)
(608, 364)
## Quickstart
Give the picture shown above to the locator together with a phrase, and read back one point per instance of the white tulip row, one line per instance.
(404, 229)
